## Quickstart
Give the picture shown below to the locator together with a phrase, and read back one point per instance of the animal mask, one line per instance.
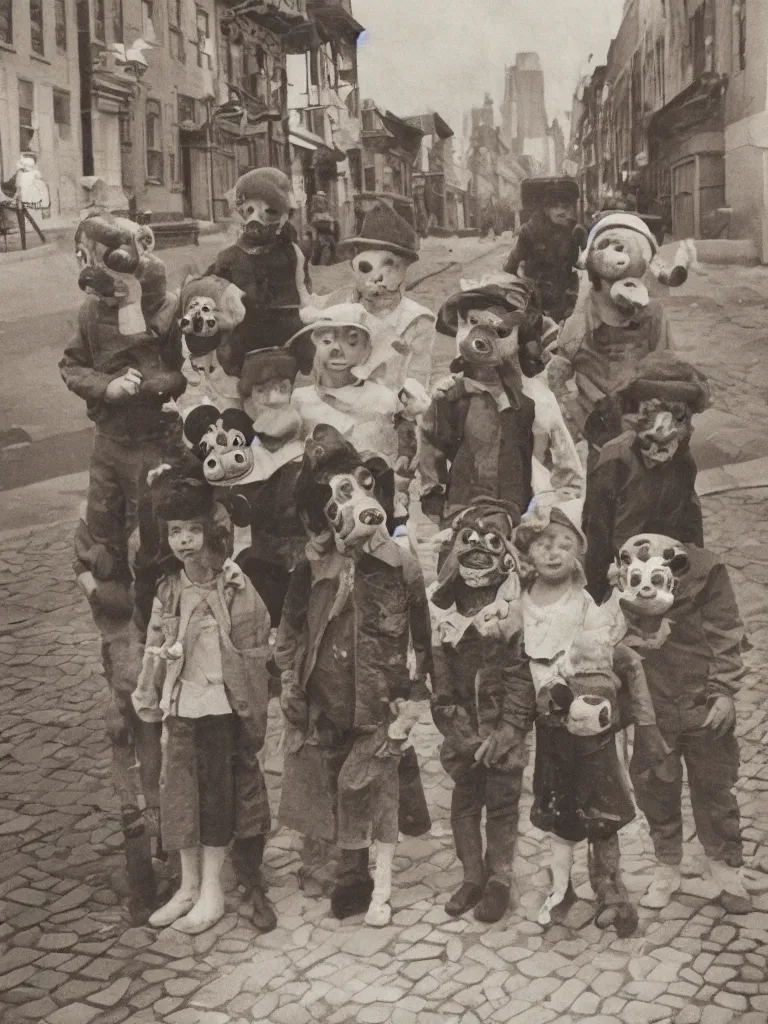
(646, 574)
(266, 386)
(621, 256)
(337, 488)
(481, 552)
(379, 273)
(222, 441)
(264, 199)
(661, 426)
(109, 252)
(335, 341)
(210, 309)
(487, 338)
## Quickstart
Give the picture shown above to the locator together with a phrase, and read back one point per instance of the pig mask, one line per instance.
(109, 252)
(486, 339)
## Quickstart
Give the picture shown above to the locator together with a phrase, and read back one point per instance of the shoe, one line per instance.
(667, 879)
(733, 894)
(494, 903)
(178, 906)
(264, 916)
(466, 897)
(351, 900)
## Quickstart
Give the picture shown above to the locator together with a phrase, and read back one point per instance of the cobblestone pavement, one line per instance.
(68, 955)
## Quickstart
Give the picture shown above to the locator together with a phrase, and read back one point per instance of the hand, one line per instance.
(124, 387)
(443, 386)
(486, 752)
(722, 716)
(87, 583)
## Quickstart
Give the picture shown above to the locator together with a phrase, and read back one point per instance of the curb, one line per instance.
(22, 255)
(735, 477)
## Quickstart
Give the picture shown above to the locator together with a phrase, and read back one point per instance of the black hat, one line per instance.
(267, 364)
(384, 228)
(512, 294)
(662, 375)
(545, 192)
(178, 496)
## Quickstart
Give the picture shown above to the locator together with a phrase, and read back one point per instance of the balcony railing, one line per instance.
(279, 16)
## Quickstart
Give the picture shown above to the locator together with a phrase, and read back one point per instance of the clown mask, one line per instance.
(661, 427)
(483, 557)
(337, 350)
(270, 410)
(556, 554)
(352, 510)
(379, 274)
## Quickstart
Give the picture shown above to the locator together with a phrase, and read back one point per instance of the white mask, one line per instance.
(379, 273)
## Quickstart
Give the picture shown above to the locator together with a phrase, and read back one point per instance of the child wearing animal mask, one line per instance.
(644, 478)
(354, 602)
(680, 600)
(578, 788)
(483, 702)
(265, 263)
(380, 256)
(204, 677)
(549, 243)
(615, 324)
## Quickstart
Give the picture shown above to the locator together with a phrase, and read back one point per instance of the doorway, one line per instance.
(186, 178)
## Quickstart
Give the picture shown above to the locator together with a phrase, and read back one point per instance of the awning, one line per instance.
(300, 143)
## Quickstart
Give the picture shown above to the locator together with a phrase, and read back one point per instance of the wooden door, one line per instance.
(684, 199)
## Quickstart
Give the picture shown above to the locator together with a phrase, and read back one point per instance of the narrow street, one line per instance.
(68, 956)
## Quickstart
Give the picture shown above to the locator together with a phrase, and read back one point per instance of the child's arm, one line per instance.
(447, 713)
(724, 633)
(432, 458)
(78, 373)
(520, 251)
(567, 474)
(418, 620)
(664, 335)
(420, 338)
(598, 524)
(146, 696)
(504, 746)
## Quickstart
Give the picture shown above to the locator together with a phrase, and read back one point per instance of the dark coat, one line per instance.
(625, 498)
(549, 254)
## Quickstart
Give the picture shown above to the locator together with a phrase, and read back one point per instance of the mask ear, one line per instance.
(679, 563)
(302, 348)
(198, 422)
(145, 239)
(236, 419)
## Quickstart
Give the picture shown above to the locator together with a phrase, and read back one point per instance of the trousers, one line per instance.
(713, 767)
(499, 793)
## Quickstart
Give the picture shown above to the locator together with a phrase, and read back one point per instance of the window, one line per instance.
(203, 39)
(6, 21)
(117, 21)
(26, 114)
(174, 13)
(60, 25)
(176, 30)
(154, 141)
(148, 21)
(696, 42)
(62, 113)
(187, 109)
(37, 35)
(99, 20)
(740, 12)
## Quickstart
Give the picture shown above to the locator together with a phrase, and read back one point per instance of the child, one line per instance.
(693, 677)
(579, 791)
(483, 701)
(203, 675)
(644, 479)
(549, 243)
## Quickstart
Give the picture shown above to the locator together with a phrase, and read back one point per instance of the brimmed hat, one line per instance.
(346, 314)
(625, 221)
(179, 496)
(662, 375)
(542, 512)
(505, 290)
(383, 228)
(268, 184)
(267, 364)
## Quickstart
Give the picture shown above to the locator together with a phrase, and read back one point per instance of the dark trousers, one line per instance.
(713, 768)
(499, 793)
(197, 786)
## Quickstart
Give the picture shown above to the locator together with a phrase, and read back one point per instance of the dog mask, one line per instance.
(264, 199)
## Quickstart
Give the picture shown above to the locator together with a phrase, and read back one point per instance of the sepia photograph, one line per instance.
(383, 493)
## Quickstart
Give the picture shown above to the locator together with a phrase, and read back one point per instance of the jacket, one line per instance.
(625, 498)
(98, 353)
(549, 254)
(701, 657)
(597, 356)
(471, 449)
(244, 625)
(389, 608)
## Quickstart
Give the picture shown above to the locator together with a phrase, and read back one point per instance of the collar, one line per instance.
(496, 391)
(595, 320)
(382, 546)
(326, 565)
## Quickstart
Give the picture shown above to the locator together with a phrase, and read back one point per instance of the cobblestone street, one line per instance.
(68, 959)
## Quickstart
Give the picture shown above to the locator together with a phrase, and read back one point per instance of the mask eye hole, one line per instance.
(344, 490)
(658, 578)
(466, 536)
(237, 439)
(364, 267)
(365, 479)
(331, 511)
(493, 542)
(635, 579)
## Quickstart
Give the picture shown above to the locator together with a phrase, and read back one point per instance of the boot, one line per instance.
(469, 849)
(613, 903)
(466, 896)
(209, 908)
(247, 857)
(666, 881)
(733, 894)
(379, 912)
(560, 865)
(494, 903)
(354, 886)
(413, 813)
(138, 863)
(187, 894)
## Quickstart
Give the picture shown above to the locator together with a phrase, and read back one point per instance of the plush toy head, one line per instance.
(210, 307)
(646, 574)
(339, 491)
(333, 343)
(550, 538)
(482, 554)
(265, 386)
(264, 199)
(222, 441)
(619, 251)
(495, 321)
(109, 249)
(381, 253)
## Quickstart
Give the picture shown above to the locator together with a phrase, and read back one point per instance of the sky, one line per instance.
(445, 55)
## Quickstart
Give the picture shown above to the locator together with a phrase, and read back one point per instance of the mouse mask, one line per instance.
(338, 489)
(210, 309)
(264, 199)
(222, 441)
(109, 253)
(646, 574)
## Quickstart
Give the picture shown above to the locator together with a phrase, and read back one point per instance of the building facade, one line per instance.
(435, 175)
(678, 117)
(40, 97)
(390, 146)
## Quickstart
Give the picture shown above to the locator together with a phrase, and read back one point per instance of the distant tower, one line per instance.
(524, 125)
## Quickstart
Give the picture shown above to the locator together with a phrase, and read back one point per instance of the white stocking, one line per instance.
(379, 911)
(209, 908)
(561, 853)
(188, 892)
